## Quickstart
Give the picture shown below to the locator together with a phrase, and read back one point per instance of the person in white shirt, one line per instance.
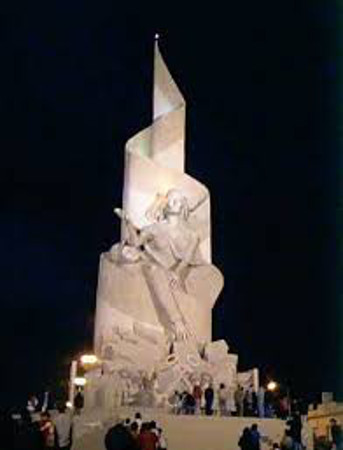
(64, 426)
(138, 420)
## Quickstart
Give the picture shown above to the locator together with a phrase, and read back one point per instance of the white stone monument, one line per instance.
(157, 286)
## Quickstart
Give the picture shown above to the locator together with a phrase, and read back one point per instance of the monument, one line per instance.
(157, 286)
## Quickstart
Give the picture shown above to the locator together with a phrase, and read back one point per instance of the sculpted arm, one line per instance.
(135, 237)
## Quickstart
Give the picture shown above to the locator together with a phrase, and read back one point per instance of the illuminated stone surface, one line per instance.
(157, 286)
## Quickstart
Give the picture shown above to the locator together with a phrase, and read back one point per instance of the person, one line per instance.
(239, 400)
(127, 423)
(197, 395)
(284, 407)
(138, 420)
(153, 427)
(63, 428)
(245, 442)
(78, 402)
(46, 401)
(287, 442)
(47, 429)
(134, 430)
(27, 435)
(248, 403)
(189, 403)
(307, 434)
(336, 434)
(162, 442)
(119, 437)
(230, 402)
(209, 397)
(269, 403)
(215, 404)
(223, 399)
(174, 401)
(295, 427)
(32, 404)
(147, 439)
(260, 402)
(255, 437)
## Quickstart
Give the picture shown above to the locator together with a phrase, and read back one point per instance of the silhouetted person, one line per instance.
(209, 397)
(138, 420)
(27, 435)
(48, 430)
(336, 434)
(189, 403)
(79, 402)
(119, 438)
(295, 427)
(260, 402)
(255, 437)
(197, 395)
(245, 441)
(134, 430)
(287, 442)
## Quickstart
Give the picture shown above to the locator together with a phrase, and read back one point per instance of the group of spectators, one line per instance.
(250, 439)
(293, 438)
(135, 434)
(31, 429)
(225, 401)
(333, 440)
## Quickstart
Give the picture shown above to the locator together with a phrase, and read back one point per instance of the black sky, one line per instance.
(261, 80)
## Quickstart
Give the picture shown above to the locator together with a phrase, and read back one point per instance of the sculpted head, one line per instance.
(174, 203)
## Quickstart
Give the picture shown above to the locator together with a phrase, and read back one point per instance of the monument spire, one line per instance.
(167, 96)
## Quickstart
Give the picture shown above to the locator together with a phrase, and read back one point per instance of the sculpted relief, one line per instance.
(167, 252)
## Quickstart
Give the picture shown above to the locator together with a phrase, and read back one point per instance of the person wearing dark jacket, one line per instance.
(209, 397)
(336, 434)
(245, 441)
(119, 438)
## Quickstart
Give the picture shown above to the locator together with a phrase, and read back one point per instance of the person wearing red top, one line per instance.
(197, 395)
(147, 438)
(48, 430)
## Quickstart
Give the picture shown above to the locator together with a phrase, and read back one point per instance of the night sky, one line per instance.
(261, 81)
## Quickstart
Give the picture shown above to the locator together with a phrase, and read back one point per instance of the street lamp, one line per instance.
(271, 386)
(88, 359)
(80, 381)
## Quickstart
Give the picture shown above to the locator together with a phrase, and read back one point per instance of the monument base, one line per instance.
(194, 432)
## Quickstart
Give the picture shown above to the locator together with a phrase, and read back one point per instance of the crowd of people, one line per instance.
(135, 434)
(46, 426)
(250, 439)
(294, 437)
(34, 428)
(225, 401)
